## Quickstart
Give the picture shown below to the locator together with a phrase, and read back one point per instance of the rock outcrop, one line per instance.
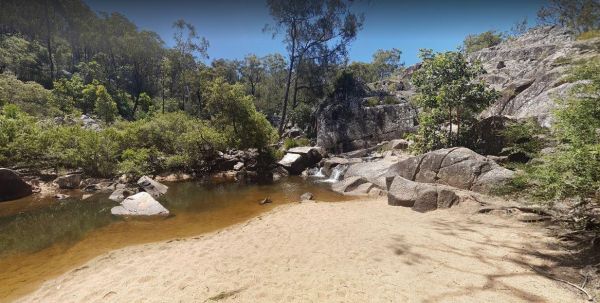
(457, 167)
(70, 181)
(297, 159)
(529, 70)
(152, 187)
(343, 128)
(421, 197)
(140, 204)
(12, 187)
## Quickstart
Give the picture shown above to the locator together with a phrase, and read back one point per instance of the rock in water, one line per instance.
(140, 204)
(298, 159)
(152, 187)
(265, 201)
(120, 194)
(12, 187)
(306, 196)
(70, 181)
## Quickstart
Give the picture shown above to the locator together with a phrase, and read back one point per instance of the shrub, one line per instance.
(291, 142)
(573, 171)
(478, 42)
(29, 96)
(589, 35)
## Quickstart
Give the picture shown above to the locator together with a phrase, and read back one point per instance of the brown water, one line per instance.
(40, 239)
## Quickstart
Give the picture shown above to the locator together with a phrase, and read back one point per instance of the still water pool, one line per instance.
(42, 238)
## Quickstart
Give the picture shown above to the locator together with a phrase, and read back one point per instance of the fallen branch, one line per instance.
(523, 209)
(549, 276)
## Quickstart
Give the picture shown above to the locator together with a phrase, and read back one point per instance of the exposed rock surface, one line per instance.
(342, 127)
(152, 187)
(528, 70)
(140, 204)
(421, 197)
(306, 196)
(122, 193)
(70, 181)
(457, 167)
(297, 159)
(12, 187)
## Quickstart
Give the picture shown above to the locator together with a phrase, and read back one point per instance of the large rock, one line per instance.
(347, 127)
(12, 187)
(421, 197)
(70, 181)
(457, 167)
(152, 187)
(529, 71)
(140, 204)
(297, 159)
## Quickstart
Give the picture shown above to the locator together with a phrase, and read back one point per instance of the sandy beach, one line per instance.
(359, 251)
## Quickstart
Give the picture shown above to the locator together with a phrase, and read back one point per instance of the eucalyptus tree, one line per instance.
(189, 48)
(313, 28)
(578, 15)
(385, 62)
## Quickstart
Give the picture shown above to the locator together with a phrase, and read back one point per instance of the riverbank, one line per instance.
(354, 251)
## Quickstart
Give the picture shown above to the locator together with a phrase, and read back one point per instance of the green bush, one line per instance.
(573, 171)
(589, 35)
(291, 142)
(478, 42)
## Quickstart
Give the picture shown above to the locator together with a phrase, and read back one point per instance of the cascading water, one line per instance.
(337, 173)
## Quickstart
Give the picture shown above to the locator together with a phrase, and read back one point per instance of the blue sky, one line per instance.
(234, 27)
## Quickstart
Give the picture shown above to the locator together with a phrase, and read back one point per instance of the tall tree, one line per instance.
(579, 15)
(320, 27)
(189, 47)
(450, 97)
(385, 62)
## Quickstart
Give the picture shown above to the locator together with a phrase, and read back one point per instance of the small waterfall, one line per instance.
(337, 173)
(319, 173)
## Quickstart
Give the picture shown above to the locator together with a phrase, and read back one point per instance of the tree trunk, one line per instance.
(49, 42)
(288, 81)
(135, 105)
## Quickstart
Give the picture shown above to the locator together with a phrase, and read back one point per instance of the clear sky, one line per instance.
(234, 27)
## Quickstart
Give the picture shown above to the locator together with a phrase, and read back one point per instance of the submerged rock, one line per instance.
(152, 187)
(12, 187)
(70, 181)
(140, 204)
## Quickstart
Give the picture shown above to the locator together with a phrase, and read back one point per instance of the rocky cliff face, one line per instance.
(346, 127)
(529, 71)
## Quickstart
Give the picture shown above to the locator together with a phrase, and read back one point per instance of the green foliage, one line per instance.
(68, 93)
(524, 137)
(591, 34)
(578, 15)
(106, 108)
(234, 113)
(385, 62)
(573, 170)
(450, 96)
(136, 162)
(29, 96)
(291, 142)
(302, 115)
(478, 42)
